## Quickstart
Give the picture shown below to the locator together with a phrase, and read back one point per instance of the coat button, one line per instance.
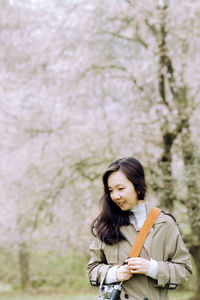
(126, 296)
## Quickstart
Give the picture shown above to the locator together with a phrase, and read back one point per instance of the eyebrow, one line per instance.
(121, 184)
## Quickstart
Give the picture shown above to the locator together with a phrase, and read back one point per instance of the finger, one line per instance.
(134, 263)
(127, 271)
(135, 267)
(126, 268)
(136, 272)
(131, 258)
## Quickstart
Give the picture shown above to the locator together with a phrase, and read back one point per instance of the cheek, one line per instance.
(111, 197)
(132, 195)
(127, 195)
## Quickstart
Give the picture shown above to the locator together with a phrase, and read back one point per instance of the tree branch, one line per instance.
(152, 28)
(110, 67)
(136, 39)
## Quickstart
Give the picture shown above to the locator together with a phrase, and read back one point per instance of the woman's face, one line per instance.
(122, 191)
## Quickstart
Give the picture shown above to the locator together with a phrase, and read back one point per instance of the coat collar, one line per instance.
(148, 206)
(160, 219)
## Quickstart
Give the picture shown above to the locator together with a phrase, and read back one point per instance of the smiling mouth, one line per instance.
(121, 204)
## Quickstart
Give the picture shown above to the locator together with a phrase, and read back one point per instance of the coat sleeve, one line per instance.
(97, 267)
(178, 267)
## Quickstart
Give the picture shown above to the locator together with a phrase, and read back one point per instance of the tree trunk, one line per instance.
(168, 136)
(24, 259)
(165, 166)
(181, 103)
(192, 203)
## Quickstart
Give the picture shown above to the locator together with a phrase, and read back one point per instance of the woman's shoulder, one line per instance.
(166, 220)
(96, 243)
(169, 222)
(168, 216)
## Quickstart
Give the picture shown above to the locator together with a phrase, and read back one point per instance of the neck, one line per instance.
(138, 205)
(140, 213)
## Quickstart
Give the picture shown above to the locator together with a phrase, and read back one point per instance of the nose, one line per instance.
(116, 196)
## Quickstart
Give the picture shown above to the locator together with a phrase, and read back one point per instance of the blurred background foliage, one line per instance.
(83, 83)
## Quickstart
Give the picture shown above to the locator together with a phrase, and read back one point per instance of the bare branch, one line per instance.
(141, 41)
(136, 39)
(152, 28)
(102, 68)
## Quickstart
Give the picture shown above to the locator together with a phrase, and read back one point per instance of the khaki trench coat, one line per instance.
(164, 244)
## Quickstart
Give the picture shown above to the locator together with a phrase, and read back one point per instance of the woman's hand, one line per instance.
(138, 265)
(123, 273)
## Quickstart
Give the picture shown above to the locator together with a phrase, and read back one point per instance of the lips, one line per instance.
(121, 204)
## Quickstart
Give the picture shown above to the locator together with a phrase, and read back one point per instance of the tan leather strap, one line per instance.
(144, 231)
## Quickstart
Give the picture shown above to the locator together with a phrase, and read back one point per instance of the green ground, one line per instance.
(21, 296)
(59, 277)
(46, 297)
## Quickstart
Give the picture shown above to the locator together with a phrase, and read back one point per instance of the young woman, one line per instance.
(164, 261)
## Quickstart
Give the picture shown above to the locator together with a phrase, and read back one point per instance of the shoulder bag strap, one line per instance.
(144, 231)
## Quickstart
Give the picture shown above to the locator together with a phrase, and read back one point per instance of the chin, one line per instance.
(124, 208)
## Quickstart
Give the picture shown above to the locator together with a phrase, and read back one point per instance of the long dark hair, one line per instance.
(107, 225)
